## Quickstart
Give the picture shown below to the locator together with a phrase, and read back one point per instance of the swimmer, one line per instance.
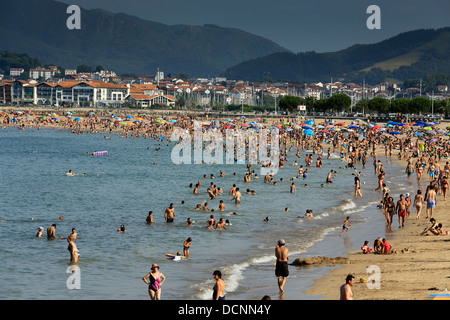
(70, 173)
(149, 219)
(292, 188)
(176, 257)
(40, 232)
(121, 229)
(309, 213)
(51, 233)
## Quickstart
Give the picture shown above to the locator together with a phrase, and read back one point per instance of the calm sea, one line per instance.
(122, 187)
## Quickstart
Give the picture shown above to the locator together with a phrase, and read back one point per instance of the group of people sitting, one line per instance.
(380, 245)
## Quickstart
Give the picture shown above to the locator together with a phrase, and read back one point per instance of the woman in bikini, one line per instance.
(156, 280)
(444, 186)
(389, 211)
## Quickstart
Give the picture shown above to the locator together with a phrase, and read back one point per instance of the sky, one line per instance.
(297, 25)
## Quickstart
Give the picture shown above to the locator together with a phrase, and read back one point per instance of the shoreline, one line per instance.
(415, 270)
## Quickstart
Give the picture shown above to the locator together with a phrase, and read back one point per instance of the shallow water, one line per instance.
(122, 187)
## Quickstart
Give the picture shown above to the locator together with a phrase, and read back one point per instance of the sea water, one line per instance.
(138, 176)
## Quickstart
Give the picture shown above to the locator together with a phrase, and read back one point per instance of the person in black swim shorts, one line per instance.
(281, 265)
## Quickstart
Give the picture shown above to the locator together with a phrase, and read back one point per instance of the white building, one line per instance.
(42, 73)
(15, 72)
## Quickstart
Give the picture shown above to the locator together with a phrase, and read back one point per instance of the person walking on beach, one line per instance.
(430, 198)
(389, 211)
(169, 214)
(401, 211)
(357, 187)
(281, 265)
(345, 226)
(418, 202)
(156, 279)
(346, 292)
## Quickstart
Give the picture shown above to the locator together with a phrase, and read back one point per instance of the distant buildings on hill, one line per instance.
(49, 86)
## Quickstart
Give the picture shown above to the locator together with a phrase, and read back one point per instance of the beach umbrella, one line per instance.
(245, 125)
(77, 119)
(340, 124)
(395, 132)
(308, 132)
(430, 132)
(417, 134)
(310, 122)
(173, 120)
(353, 127)
(129, 116)
(136, 121)
(307, 128)
(427, 128)
(289, 129)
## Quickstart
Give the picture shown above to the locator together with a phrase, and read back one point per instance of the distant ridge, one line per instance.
(412, 54)
(124, 43)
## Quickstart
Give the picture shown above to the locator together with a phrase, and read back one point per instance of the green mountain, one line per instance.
(413, 54)
(124, 43)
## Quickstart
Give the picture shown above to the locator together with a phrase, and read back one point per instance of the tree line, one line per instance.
(342, 102)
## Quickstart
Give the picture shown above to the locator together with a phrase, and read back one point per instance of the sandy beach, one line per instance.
(416, 269)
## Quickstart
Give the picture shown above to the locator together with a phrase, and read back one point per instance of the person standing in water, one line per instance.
(357, 187)
(186, 246)
(219, 287)
(156, 280)
(169, 214)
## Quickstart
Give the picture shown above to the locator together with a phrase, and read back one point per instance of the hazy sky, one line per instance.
(298, 25)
